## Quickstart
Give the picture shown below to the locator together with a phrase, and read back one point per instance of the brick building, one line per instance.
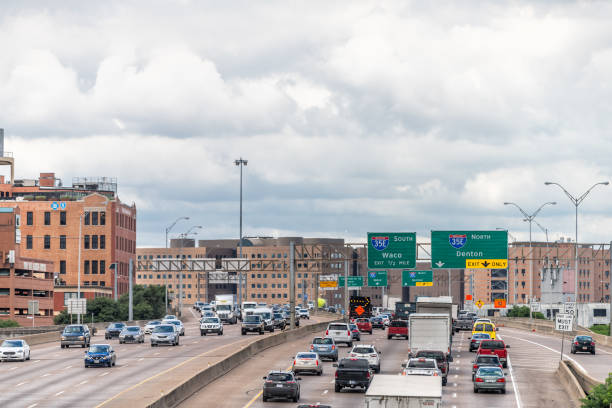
(22, 279)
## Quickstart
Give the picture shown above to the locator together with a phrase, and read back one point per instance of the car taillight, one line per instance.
(326, 332)
(576, 343)
(311, 347)
(501, 380)
(317, 362)
(592, 343)
(479, 380)
(348, 332)
(290, 382)
(336, 374)
(368, 374)
(475, 367)
(443, 369)
(293, 362)
(269, 381)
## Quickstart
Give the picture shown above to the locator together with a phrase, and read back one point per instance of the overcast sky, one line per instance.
(354, 116)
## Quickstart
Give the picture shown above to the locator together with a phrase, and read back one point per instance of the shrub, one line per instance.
(8, 323)
(600, 396)
(601, 329)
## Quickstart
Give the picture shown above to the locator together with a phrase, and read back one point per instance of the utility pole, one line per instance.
(346, 292)
(240, 162)
(131, 295)
(79, 267)
(166, 275)
(292, 284)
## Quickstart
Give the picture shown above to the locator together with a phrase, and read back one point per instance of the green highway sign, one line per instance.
(417, 278)
(392, 250)
(469, 249)
(377, 278)
(353, 281)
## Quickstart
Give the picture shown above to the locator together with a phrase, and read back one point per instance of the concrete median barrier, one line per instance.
(41, 338)
(570, 384)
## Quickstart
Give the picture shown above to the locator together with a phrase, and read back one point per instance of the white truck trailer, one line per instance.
(429, 331)
(438, 304)
(411, 391)
(226, 308)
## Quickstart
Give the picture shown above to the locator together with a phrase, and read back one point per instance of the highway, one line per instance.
(531, 381)
(56, 377)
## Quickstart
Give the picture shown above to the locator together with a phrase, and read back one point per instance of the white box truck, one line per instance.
(438, 304)
(226, 309)
(412, 391)
(247, 308)
(429, 331)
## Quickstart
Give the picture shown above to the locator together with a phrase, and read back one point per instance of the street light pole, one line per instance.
(183, 237)
(166, 275)
(576, 201)
(240, 162)
(530, 218)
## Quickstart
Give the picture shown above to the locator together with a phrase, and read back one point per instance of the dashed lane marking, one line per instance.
(83, 382)
(21, 383)
(59, 393)
(103, 374)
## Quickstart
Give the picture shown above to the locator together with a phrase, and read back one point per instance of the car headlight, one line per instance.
(81, 338)
(63, 337)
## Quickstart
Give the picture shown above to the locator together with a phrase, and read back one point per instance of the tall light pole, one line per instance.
(166, 275)
(576, 201)
(183, 236)
(240, 162)
(529, 218)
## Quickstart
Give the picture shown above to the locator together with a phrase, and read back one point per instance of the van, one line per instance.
(484, 327)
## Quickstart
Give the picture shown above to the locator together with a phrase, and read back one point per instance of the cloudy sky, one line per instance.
(354, 116)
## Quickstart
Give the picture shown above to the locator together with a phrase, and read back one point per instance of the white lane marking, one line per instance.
(156, 354)
(454, 384)
(33, 405)
(14, 368)
(59, 393)
(454, 395)
(140, 359)
(21, 383)
(514, 385)
(44, 375)
(456, 375)
(551, 349)
(123, 366)
(35, 361)
(103, 374)
(83, 382)
(68, 367)
(325, 392)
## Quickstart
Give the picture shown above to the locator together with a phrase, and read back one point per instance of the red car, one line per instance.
(398, 328)
(496, 347)
(364, 325)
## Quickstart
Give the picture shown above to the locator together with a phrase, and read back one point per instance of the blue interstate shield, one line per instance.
(380, 243)
(457, 241)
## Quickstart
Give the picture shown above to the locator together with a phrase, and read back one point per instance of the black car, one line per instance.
(281, 384)
(377, 323)
(352, 372)
(113, 330)
(583, 344)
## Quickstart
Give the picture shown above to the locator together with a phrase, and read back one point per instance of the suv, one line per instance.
(325, 348)
(364, 325)
(398, 328)
(281, 384)
(496, 347)
(75, 334)
(211, 325)
(377, 323)
(113, 330)
(352, 372)
(441, 360)
(279, 321)
(367, 352)
(304, 314)
(340, 332)
(252, 323)
(165, 334)
(100, 355)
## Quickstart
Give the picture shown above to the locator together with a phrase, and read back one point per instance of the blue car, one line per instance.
(325, 347)
(100, 355)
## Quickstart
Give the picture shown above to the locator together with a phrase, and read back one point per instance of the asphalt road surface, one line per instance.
(56, 377)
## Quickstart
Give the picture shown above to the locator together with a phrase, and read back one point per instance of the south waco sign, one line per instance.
(469, 249)
(392, 250)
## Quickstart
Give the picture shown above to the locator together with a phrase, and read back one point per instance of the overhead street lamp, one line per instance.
(183, 236)
(576, 201)
(166, 275)
(240, 162)
(530, 218)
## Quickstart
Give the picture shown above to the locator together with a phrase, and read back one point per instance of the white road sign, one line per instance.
(570, 308)
(535, 306)
(564, 322)
(77, 306)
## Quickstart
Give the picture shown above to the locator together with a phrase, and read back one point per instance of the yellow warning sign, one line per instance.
(328, 284)
(479, 303)
(423, 283)
(486, 263)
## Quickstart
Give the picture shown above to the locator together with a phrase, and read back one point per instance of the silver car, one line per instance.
(309, 362)
(178, 324)
(132, 334)
(165, 334)
(150, 326)
(490, 378)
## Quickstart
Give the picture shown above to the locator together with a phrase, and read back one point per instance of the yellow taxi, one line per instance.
(484, 327)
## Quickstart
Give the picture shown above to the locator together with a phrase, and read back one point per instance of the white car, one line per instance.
(340, 332)
(386, 319)
(304, 314)
(148, 329)
(367, 352)
(177, 323)
(169, 317)
(14, 350)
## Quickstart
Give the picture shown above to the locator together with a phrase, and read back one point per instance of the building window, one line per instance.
(252, 285)
(29, 242)
(62, 268)
(94, 241)
(102, 217)
(102, 241)
(86, 242)
(94, 218)
(47, 243)
(62, 243)
(86, 268)
(87, 218)
(30, 218)
(94, 267)
(47, 217)
(102, 267)
(102, 283)
(62, 217)
(285, 295)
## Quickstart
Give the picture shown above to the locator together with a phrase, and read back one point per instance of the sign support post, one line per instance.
(346, 295)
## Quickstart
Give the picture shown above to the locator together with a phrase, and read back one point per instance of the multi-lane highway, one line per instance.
(56, 377)
(531, 379)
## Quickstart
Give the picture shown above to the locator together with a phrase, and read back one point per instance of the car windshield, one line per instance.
(438, 355)
(399, 323)
(337, 327)
(174, 322)
(487, 360)
(354, 363)
(133, 328)
(303, 311)
(306, 355)
(583, 338)
(280, 377)
(163, 329)
(252, 319)
(98, 349)
(154, 323)
(12, 343)
(490, 371)
(319, 340)
(117, 326)
(278, 316)
(481, 336)
(210, 320)
(363, 350)
(491, 345)
(422, 364)
(354, 327)
(73, 329)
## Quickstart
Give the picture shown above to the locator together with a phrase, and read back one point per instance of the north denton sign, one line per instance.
(469, 249)
(392, 250)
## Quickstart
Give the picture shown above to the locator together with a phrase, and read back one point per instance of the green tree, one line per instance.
(600, 396)
(523, 311)
(8, 323)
